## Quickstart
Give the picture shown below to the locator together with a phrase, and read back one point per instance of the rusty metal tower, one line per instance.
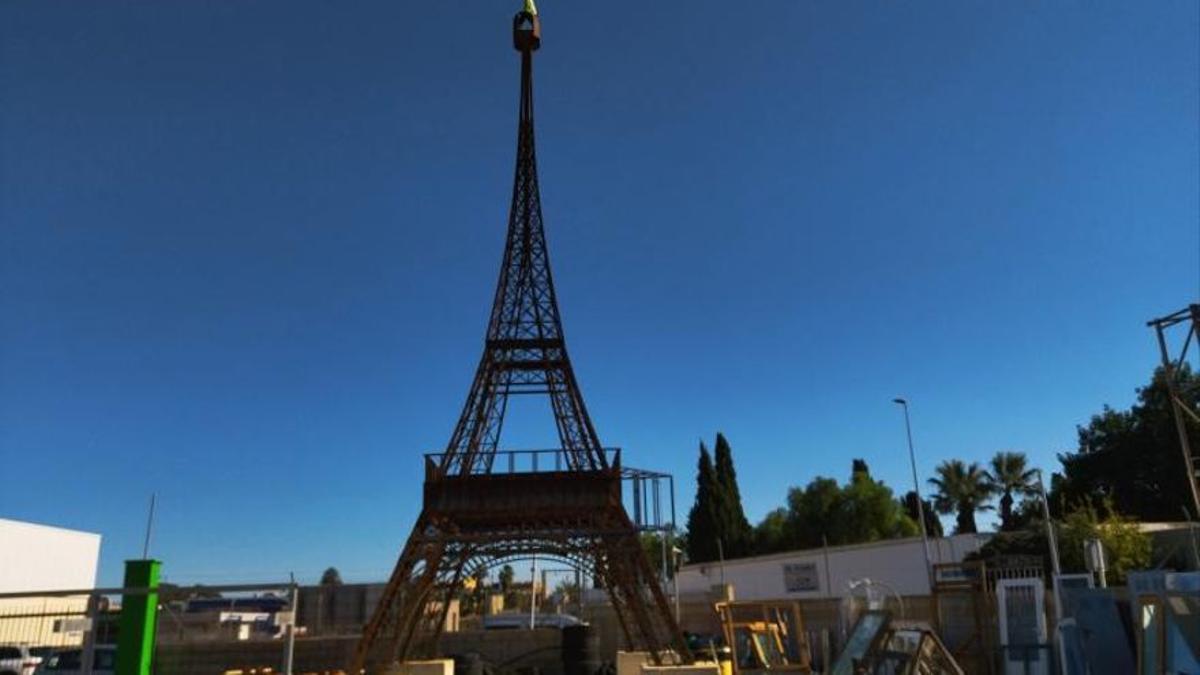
(1187, 321)
(483, 506)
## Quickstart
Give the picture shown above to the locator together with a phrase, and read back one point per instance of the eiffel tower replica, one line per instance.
(479, 509)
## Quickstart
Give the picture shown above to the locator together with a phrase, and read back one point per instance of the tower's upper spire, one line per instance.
(524, 351)
(527, 29)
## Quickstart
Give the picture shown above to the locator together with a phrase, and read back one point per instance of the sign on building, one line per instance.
(800, 577)
(73, 625)
(957, 573)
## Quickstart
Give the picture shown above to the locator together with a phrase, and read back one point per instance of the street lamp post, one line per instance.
(1055, 569)
(912, 458)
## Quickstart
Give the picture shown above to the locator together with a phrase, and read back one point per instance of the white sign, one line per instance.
(801, 577)
(955, 574)
(73, 625)
(243, 617)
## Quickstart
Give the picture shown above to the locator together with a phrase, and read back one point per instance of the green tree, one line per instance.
(1131, 457)
(1009, 476)
(1027, 512)
(1126, 547)
(505, 578)
(331, 577)
(962, 490)
(863, 510)
(652, 547)
(1028, 541)
(702, 523)
(771, 534)
(474, 591)
(567, 589)
(169, 592)
(870, 511)
(736, 534)
(814, 513)
(933, 525)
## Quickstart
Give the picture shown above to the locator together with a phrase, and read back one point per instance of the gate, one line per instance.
(1024, 645)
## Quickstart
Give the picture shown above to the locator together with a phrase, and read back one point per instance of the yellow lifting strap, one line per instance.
(530, 8)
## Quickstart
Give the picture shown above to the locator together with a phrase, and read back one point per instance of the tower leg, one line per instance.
(388, 615)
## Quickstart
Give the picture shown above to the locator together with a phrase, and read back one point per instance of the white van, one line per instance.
(516, 620)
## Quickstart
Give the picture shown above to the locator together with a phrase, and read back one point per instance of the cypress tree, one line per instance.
(702, 528)
(860, 466)
(736, 533)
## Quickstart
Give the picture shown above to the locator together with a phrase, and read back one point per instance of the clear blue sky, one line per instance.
(247, 249)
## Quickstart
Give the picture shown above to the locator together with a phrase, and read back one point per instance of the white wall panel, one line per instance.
(38, 557)
(899, 563)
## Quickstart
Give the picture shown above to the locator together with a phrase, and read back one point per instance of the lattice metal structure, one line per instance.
(478, 509)
(1187, 322)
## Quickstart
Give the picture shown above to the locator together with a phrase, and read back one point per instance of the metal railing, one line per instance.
(529, 461)
(650, 499)
(649, 496)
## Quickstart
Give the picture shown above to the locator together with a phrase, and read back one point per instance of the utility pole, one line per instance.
(721, 558)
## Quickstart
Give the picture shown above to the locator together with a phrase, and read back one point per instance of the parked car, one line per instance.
(16, 660)
(70, 661)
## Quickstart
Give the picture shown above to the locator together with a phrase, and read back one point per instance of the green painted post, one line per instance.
(139, 614)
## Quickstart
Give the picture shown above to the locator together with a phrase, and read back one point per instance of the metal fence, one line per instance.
(63, 627)
(226, 629)
(200, 629)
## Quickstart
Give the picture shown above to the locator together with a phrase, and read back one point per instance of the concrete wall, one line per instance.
(38, 557)
(206, 658)
(517, 648)
(511, 649)
(899, 563)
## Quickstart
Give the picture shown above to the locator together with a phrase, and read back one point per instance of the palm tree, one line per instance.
(962, 490)
(1010, 476)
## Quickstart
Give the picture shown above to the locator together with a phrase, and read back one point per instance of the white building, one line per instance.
(827, 573)
(41, 558)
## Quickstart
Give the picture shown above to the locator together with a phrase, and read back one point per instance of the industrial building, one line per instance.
(828, 572)
(36, 558)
